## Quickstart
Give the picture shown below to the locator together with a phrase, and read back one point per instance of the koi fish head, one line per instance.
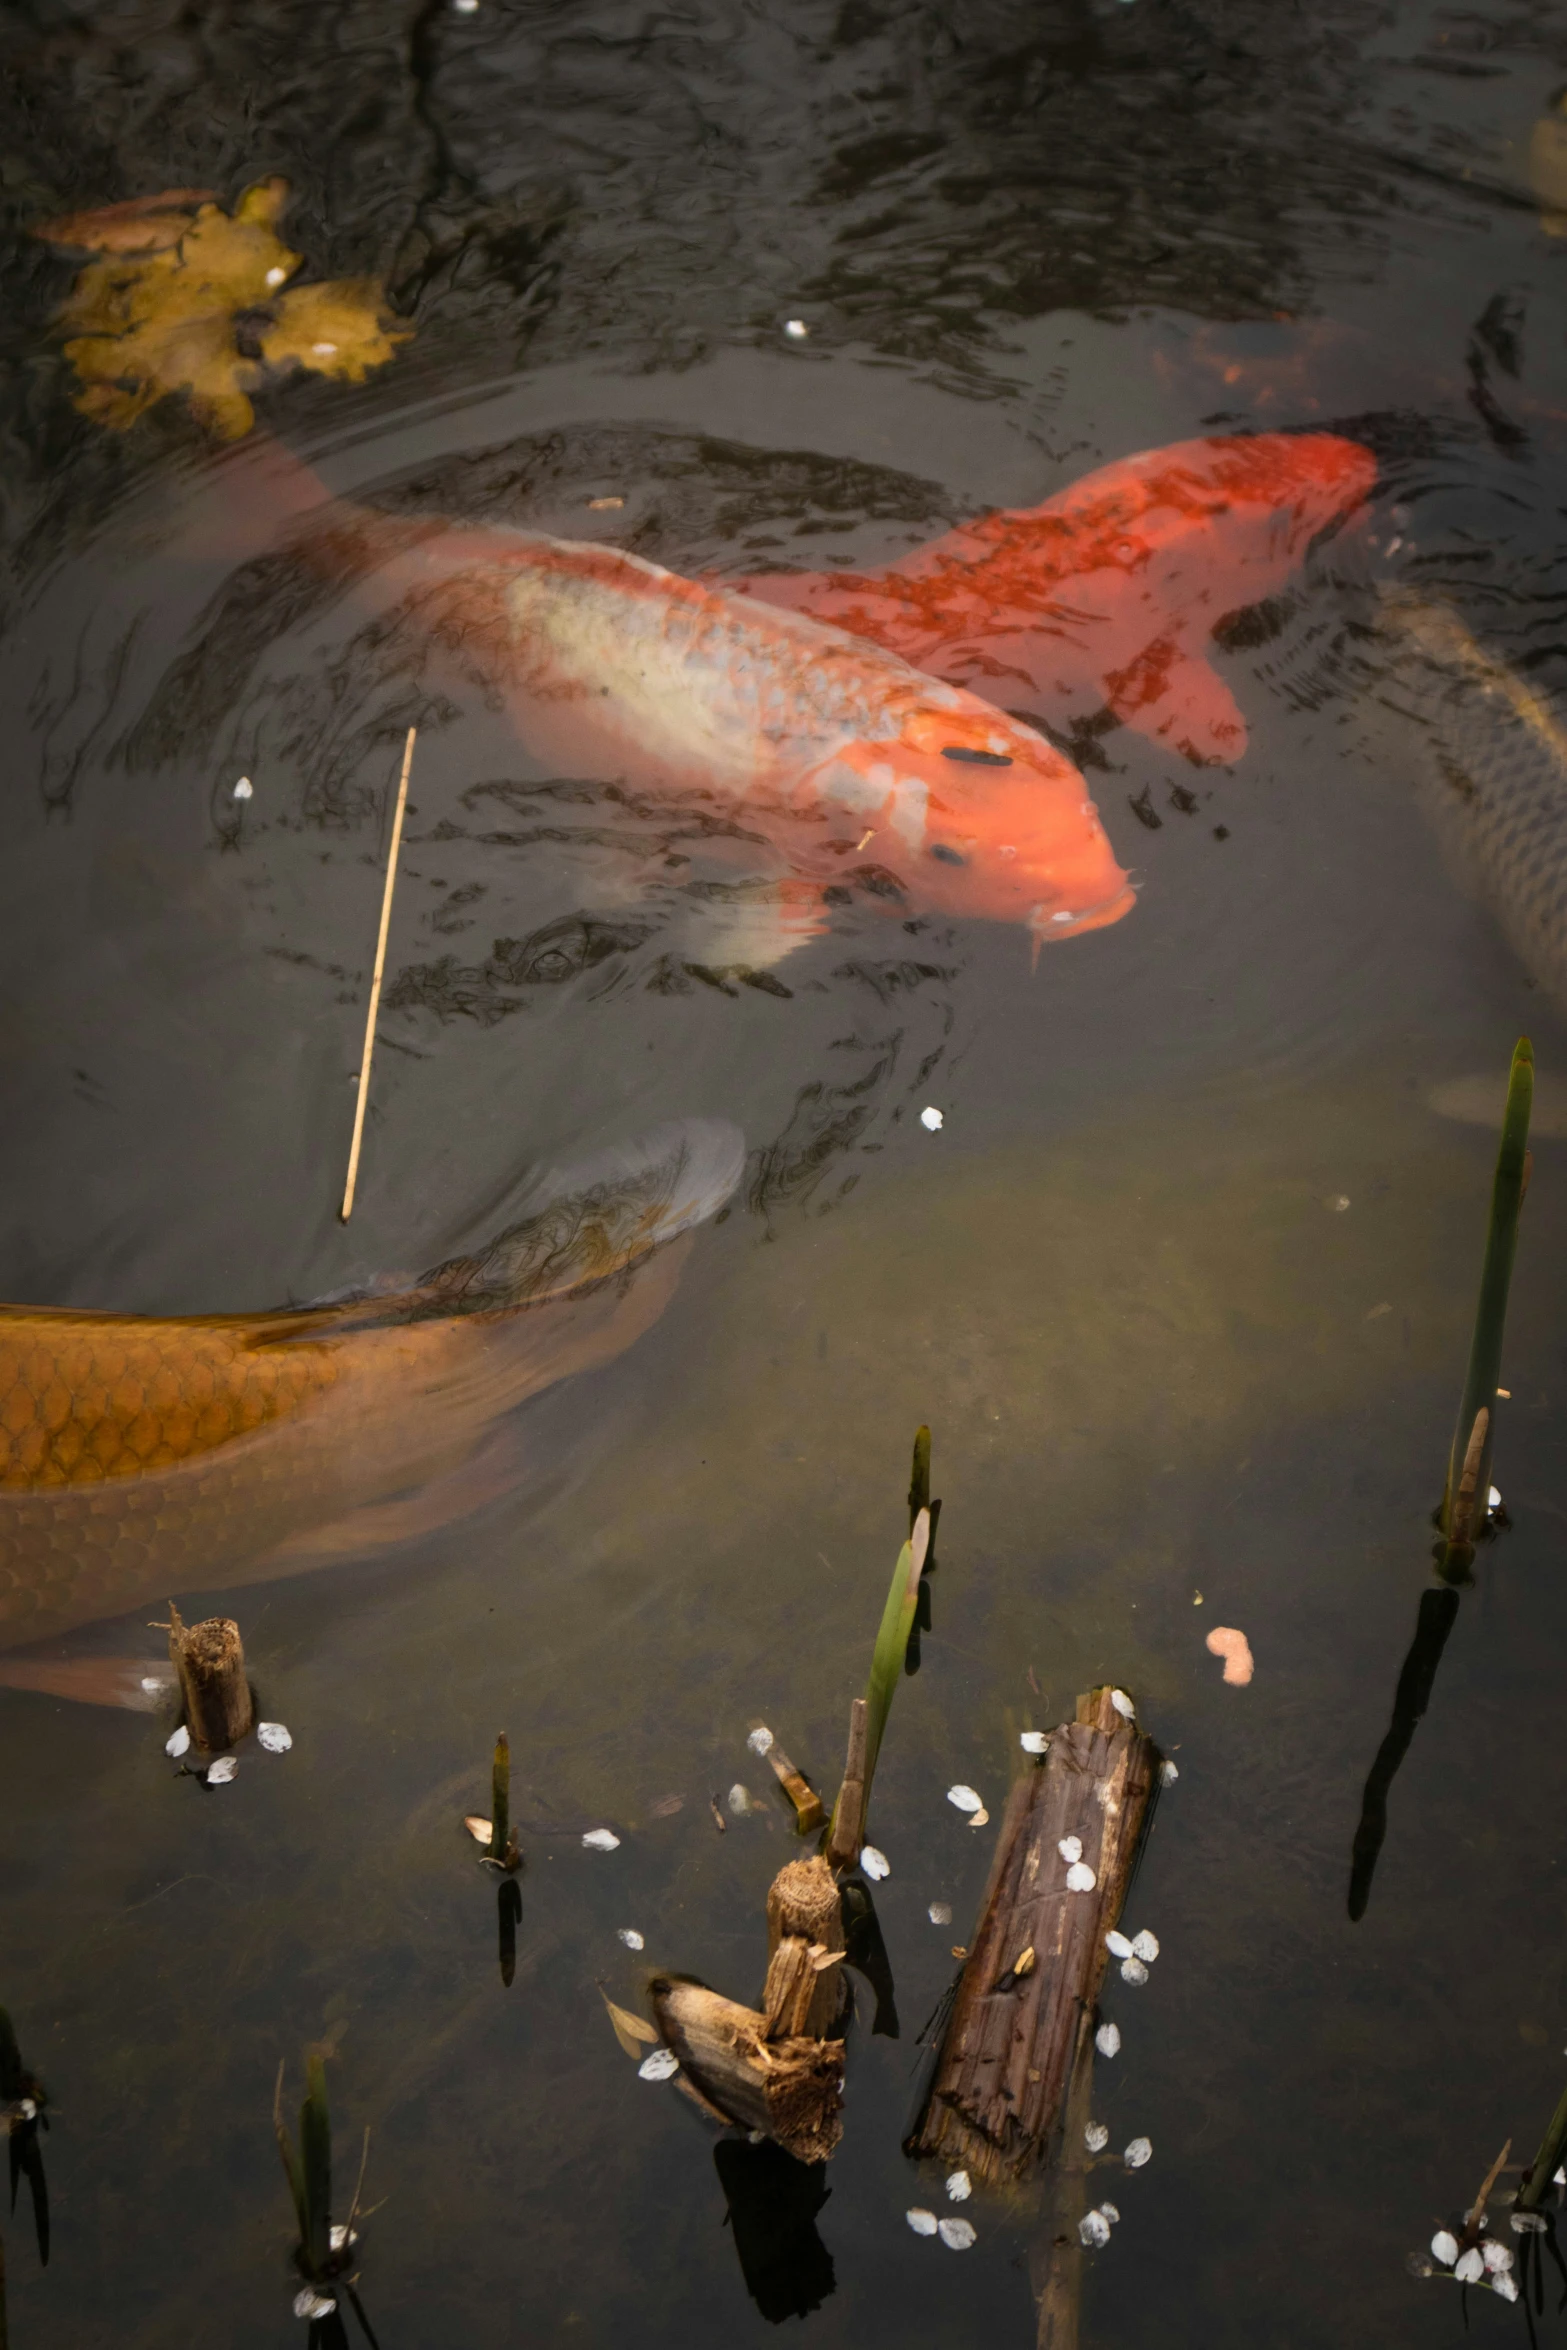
(979, 816)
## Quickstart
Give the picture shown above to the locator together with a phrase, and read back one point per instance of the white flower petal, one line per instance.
(1080, 1878)
(1096, 2137)
(1145, 1946)
(875, 1864)
(959, 2186)
(180, 1742)
(796, 329)
(980, 1818)
(310, 2303)
(1108, 2039)
(1117, 1944)
(244, 788)
(1137, 2153)
(222, 1771)
(1093, 2228)
(956, 2234)
(1470, 2268)
(273, 1737)
(1493, 1499)
(1123, 1704)
(1444, 2247)
(1504, 2285)
(965, 1798)
(1070, 1848)
(337, 2237)
(940, 1913)
(1524, 2223)
(1108, 2210)
(739, 1800)
(631, 1938)
(922, 2222)
(930, 1118)
(1133, 1971)
(662, 2065)
(1497, 2258)
(1168, 1773)
(602, 1840)
(1034, 1742)
(760, 1741)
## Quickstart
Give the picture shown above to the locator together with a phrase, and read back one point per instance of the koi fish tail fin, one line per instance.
(1105, 596)
(248, 501)
(596, 1219)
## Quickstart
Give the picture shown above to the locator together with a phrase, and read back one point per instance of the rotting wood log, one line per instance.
(210, 1661)
(790, 2089)
(1058, 2262)
(804, 1906)
(1005, 2059)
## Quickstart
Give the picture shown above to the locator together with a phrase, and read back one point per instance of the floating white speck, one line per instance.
(1470, 2268)
(1108, 2211)
(1070, 1848)
(275, 277)
(1524, 2223)
(602, 1840)
(222, 1771)
(27, 2109)
(1123, 1705)
(1133, 1971)
(631, 1938)
(1096, 2137)
(940, 1913)
(1137, 2153)
(337, 2237)
(956, 2234)
(662, 2065)
(244, 789)
(965, 1799)
(1560, 2179)
(921, 2221)
(1034, 1742)
(151, 1684)
(1338, 1203)
(1080, 1878)
(324, 350)
(1117, 1944)
(1168, 1773)
(1093, 2228)
(959, 2186)
(1493, 1499)
(466, 7)
(739, 1800)
(796, 329)
(179, 1744)
(760, 1741)
(273, 1737)
(1497, 2258)
(931, 1119)
(875, 1864)
(310, 2303)
(1108, 2039)
(1145, 1946)
(1505, 2286)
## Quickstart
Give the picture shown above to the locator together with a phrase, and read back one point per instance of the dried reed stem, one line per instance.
(347, 1208)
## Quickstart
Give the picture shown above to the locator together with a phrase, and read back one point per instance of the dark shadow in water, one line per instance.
(866, 1952)
(773, 2202)
(19, 2092)
(1438, 1610)
(508, 1907)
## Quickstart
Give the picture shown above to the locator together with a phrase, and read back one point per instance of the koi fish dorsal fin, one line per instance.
(1104, 595)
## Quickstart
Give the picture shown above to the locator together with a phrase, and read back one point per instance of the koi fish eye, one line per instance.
(946, 856)
(960, 751)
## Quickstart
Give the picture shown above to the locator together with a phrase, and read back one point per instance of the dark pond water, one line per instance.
(1182, 1284)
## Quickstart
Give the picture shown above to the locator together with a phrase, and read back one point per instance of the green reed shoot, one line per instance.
(1547, 2162)
(309, 2168)
(892, 1640)
(1469, 1463)
(919, 1480)
(500, 1802)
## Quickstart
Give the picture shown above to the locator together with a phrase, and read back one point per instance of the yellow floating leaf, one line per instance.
(633, 2032)
(341, 328)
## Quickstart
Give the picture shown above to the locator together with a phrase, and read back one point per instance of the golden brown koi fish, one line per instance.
(142, 1456)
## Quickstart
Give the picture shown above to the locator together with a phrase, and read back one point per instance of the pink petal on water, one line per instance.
(1235, 1649)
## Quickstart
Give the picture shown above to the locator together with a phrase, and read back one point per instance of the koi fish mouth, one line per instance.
(1046, 925)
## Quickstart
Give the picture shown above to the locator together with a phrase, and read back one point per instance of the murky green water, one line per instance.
(1159, 1354)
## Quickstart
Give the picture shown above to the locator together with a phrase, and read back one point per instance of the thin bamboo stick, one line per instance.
(347, 1208)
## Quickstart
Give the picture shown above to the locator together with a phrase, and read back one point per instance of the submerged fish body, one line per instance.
(1495, 768)
(1105, 595)
(142, 1456)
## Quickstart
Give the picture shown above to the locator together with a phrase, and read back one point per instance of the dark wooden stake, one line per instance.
(210, 1661)
(848, 1819)
(1011, 2038)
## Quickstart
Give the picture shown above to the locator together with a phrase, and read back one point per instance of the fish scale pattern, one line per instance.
(87, 1398)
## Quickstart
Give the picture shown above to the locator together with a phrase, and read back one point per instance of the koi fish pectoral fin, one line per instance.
(141, 1684)
(1177, 699)
(488, 1474)
(750, 926)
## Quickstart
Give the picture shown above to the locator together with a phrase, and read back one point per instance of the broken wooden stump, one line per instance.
(789, 2087)
(805, 1945)
(210, 1661)
(809, 1811)
(1013, 2033)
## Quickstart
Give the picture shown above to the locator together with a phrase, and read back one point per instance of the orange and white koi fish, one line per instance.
(835, 711)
